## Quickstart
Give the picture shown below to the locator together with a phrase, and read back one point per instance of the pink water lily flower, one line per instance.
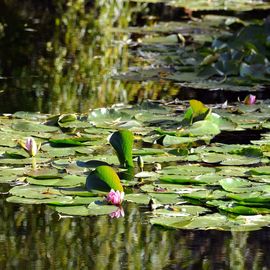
(115, 197)
(250, 100)
(119, 212)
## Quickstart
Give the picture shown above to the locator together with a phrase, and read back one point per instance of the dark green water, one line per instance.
(58, 56)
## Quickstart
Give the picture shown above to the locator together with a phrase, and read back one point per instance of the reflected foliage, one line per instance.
(36, 238)
(59, 56)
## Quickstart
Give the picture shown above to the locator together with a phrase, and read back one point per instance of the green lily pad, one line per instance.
(16, 153)
(187, 170)
(178, 179)
(139, 198)
(197, 112)
(69, 141)
(35, 192)
(239, 185)
(57, 200)
(96, 208)
(206, 222)
(68, 180)
(10, 174)
(182, 210)
(265, 170)
(239, 209)
(33, 127)
(205, 195)
(168, 140)
(103, 178)
(122, 142)
(166, 198)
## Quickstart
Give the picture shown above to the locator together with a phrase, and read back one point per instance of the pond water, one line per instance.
(34, 237)
(60, 57)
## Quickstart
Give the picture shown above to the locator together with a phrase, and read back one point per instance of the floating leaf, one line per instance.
(68, 180)
(139, 198)
(197, 112)
(35, 192)
(93, 209)
(69, 141)
(103, 178)
(122, 142)
(56, 201)
(33, 127)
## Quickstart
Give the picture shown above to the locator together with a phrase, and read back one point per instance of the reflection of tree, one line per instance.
(32, 237)
(60, 56)
(83, 56)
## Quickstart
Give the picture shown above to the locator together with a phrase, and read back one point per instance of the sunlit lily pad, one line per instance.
(33, 127)
(67, 180)
(95, 208)
(35, 192)
(139, 198)
(103, 178)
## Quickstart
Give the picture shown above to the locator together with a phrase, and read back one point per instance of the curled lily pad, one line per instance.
(197, 111)
(103, 178)
(122, 142)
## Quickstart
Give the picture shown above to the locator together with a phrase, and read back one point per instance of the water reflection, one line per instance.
(33, 237)
(60, 57)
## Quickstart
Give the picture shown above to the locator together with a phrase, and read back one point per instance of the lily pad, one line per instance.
(96, 208)
(33, 127)
(122, 142)
(103, 178)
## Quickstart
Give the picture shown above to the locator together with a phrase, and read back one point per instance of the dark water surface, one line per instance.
(58, 56)
(33, 237)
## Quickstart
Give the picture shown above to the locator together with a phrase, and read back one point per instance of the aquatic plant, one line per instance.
(115, 197)
(250, 100)
(30, 146)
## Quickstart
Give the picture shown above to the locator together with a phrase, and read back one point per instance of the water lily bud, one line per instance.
(140, 162)
(31, 146)
(115, 197)
(250, 100)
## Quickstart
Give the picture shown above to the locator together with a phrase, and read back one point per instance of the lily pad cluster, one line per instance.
(193, 166)
(240, 5)
(209, 54)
